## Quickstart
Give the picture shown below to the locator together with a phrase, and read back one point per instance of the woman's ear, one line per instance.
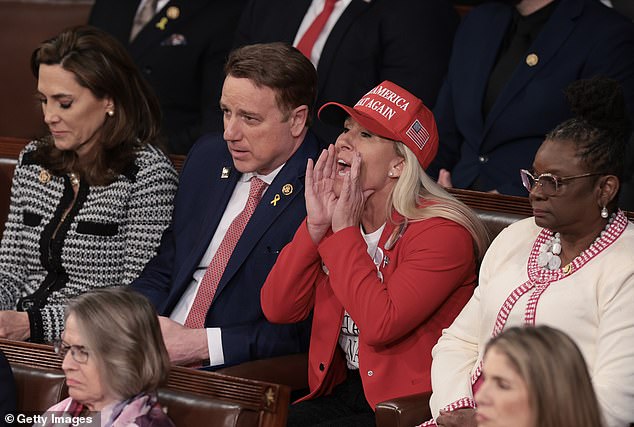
(397, 167)
(608, 188)
(109, 105)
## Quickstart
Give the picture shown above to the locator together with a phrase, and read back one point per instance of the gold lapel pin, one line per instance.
(287, 189)
(45, 176)
(173, 12)
(275, 200)
(532, 59)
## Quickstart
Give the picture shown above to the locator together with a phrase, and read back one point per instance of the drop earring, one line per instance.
(604, 212)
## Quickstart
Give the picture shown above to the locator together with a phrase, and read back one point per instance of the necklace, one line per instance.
(549, 251)
(74, 179)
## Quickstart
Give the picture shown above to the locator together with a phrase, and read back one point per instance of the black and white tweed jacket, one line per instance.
(105, 240)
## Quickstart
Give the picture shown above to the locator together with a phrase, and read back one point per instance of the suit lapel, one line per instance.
(548, 42)
(220, 193)
(125, 10)
(333, 42)
(293, 17)
(266, 213)
(162, 26)
(489, 44)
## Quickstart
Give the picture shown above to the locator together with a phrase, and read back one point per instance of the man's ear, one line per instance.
(298, 118)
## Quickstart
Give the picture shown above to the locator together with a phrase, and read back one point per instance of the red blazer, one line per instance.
(428, 276)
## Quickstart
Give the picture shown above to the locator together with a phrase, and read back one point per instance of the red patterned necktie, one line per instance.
(307, 42)
(209, 283)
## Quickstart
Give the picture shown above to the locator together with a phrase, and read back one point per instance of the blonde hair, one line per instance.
(554, 370)
(121, 328)
(414, 187)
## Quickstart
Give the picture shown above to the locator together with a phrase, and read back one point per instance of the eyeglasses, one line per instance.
(548, 182)
(77, 352)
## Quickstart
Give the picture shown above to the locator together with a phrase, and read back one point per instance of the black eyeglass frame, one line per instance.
(79, 353)
(526, 177)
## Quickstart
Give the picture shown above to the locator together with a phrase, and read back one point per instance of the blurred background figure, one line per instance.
(384, 261)
(569, 266)
(180, 47)
(356, 44)
(510, 64)
(90, 200)
(8, 392)
(114, 360)
(529, 375)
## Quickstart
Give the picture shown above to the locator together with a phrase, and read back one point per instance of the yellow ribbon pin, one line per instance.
(275, 200)
(162, 23)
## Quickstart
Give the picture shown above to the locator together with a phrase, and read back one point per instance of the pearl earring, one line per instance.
(390, 174)
(110, 113)
(604, 212)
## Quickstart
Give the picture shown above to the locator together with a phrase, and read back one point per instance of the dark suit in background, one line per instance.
(582, 38)
(183, 59)
(8, 392)
(405, 41)
(198, 207)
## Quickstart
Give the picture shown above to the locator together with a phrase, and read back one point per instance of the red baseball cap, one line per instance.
(390, 111)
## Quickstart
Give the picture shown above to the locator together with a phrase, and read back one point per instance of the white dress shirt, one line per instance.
(236, 204)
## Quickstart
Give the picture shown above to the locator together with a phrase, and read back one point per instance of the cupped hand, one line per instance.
(320, 197)
(349, 206)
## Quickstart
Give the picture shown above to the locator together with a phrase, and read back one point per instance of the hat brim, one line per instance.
(335, 114)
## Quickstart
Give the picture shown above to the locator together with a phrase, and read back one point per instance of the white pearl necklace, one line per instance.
(548, 257)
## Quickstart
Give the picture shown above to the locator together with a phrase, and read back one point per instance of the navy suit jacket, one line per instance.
(8, 392)
(183, 61)
(581, 39)
(199, 205)
(405, 41)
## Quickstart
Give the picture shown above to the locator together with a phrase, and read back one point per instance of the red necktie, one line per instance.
(309, 38)
(209, 283)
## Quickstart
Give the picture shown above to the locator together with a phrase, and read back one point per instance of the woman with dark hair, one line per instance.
(529, 375)
(89, 201)
(114, 359)
(569, 266)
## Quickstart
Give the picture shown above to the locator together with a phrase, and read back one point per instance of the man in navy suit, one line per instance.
(505, 86)
(181, 52)
(267, 100)
(363, 43)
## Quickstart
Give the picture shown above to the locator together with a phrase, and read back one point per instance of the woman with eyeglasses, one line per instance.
(114, 359)
(570, 266)
(384, 261)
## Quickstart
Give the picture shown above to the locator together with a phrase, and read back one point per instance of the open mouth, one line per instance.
(343, 168)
